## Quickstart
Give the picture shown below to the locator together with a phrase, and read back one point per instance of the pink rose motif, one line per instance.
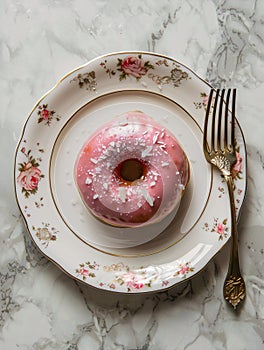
(45, 114)
(237, 167)
(135, 285)
(131, 281)
(205, 100)
(134, 66)
(29, 177)
(84, 272)
(184, 269)
(220, 228)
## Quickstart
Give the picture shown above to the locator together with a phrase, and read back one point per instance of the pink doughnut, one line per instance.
(132, 171)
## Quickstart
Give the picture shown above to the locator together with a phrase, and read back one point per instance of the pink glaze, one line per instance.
(147, 200)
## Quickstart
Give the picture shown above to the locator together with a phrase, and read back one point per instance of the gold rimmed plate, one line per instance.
(102, 256)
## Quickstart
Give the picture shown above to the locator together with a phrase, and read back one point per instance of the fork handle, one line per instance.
(234, 285)
(234, 260)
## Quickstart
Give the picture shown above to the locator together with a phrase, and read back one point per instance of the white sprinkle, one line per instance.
(146, 152)
(112, 143)
(145, 132)
(147, 197)
(122, 194)
(88, 181)
(162, 147)
(162, 133)
(95, 161)
(155, 137)
(181, 186)
(105, 186)
(177, 173)
(103, 146)
(95, 196)
(163, 164)
(152, 184)
(97, 170)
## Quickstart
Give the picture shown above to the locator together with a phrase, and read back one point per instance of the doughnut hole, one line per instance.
(131, 170)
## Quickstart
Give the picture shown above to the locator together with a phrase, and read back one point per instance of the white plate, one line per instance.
(58, 221)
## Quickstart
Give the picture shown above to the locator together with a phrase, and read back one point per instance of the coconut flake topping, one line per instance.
(147, 197)
(88, 181)
(122, 194)
(95, 161)
(146, 152)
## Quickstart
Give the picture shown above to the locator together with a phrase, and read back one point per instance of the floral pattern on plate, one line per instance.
(136, 67)
(133, 66)
(29, 173)
(132, 279)
(237, 167)
(46, 115)
(203, 102)
(87, 80)
(45, 234)
(219, 226)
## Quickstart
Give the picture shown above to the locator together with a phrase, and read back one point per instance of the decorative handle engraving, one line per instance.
(234, 290)
(234, 286)
(222, 163)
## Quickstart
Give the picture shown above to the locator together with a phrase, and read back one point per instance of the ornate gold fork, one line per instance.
(219, 149)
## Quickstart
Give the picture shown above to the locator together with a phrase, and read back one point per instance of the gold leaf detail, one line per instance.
(234, 290)
(222, 163)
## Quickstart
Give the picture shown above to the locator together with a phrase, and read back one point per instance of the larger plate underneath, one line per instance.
(102, 256)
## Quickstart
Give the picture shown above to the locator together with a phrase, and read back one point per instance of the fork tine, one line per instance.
(206, 119)
(226, 119)
(220, 120)
(233, 118)
(213, 121)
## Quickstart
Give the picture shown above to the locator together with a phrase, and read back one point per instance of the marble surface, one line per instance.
(41, 307)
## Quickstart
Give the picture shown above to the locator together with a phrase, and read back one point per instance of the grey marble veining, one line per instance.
(41, 307)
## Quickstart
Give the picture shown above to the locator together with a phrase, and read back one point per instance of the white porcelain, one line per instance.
(57, 220)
